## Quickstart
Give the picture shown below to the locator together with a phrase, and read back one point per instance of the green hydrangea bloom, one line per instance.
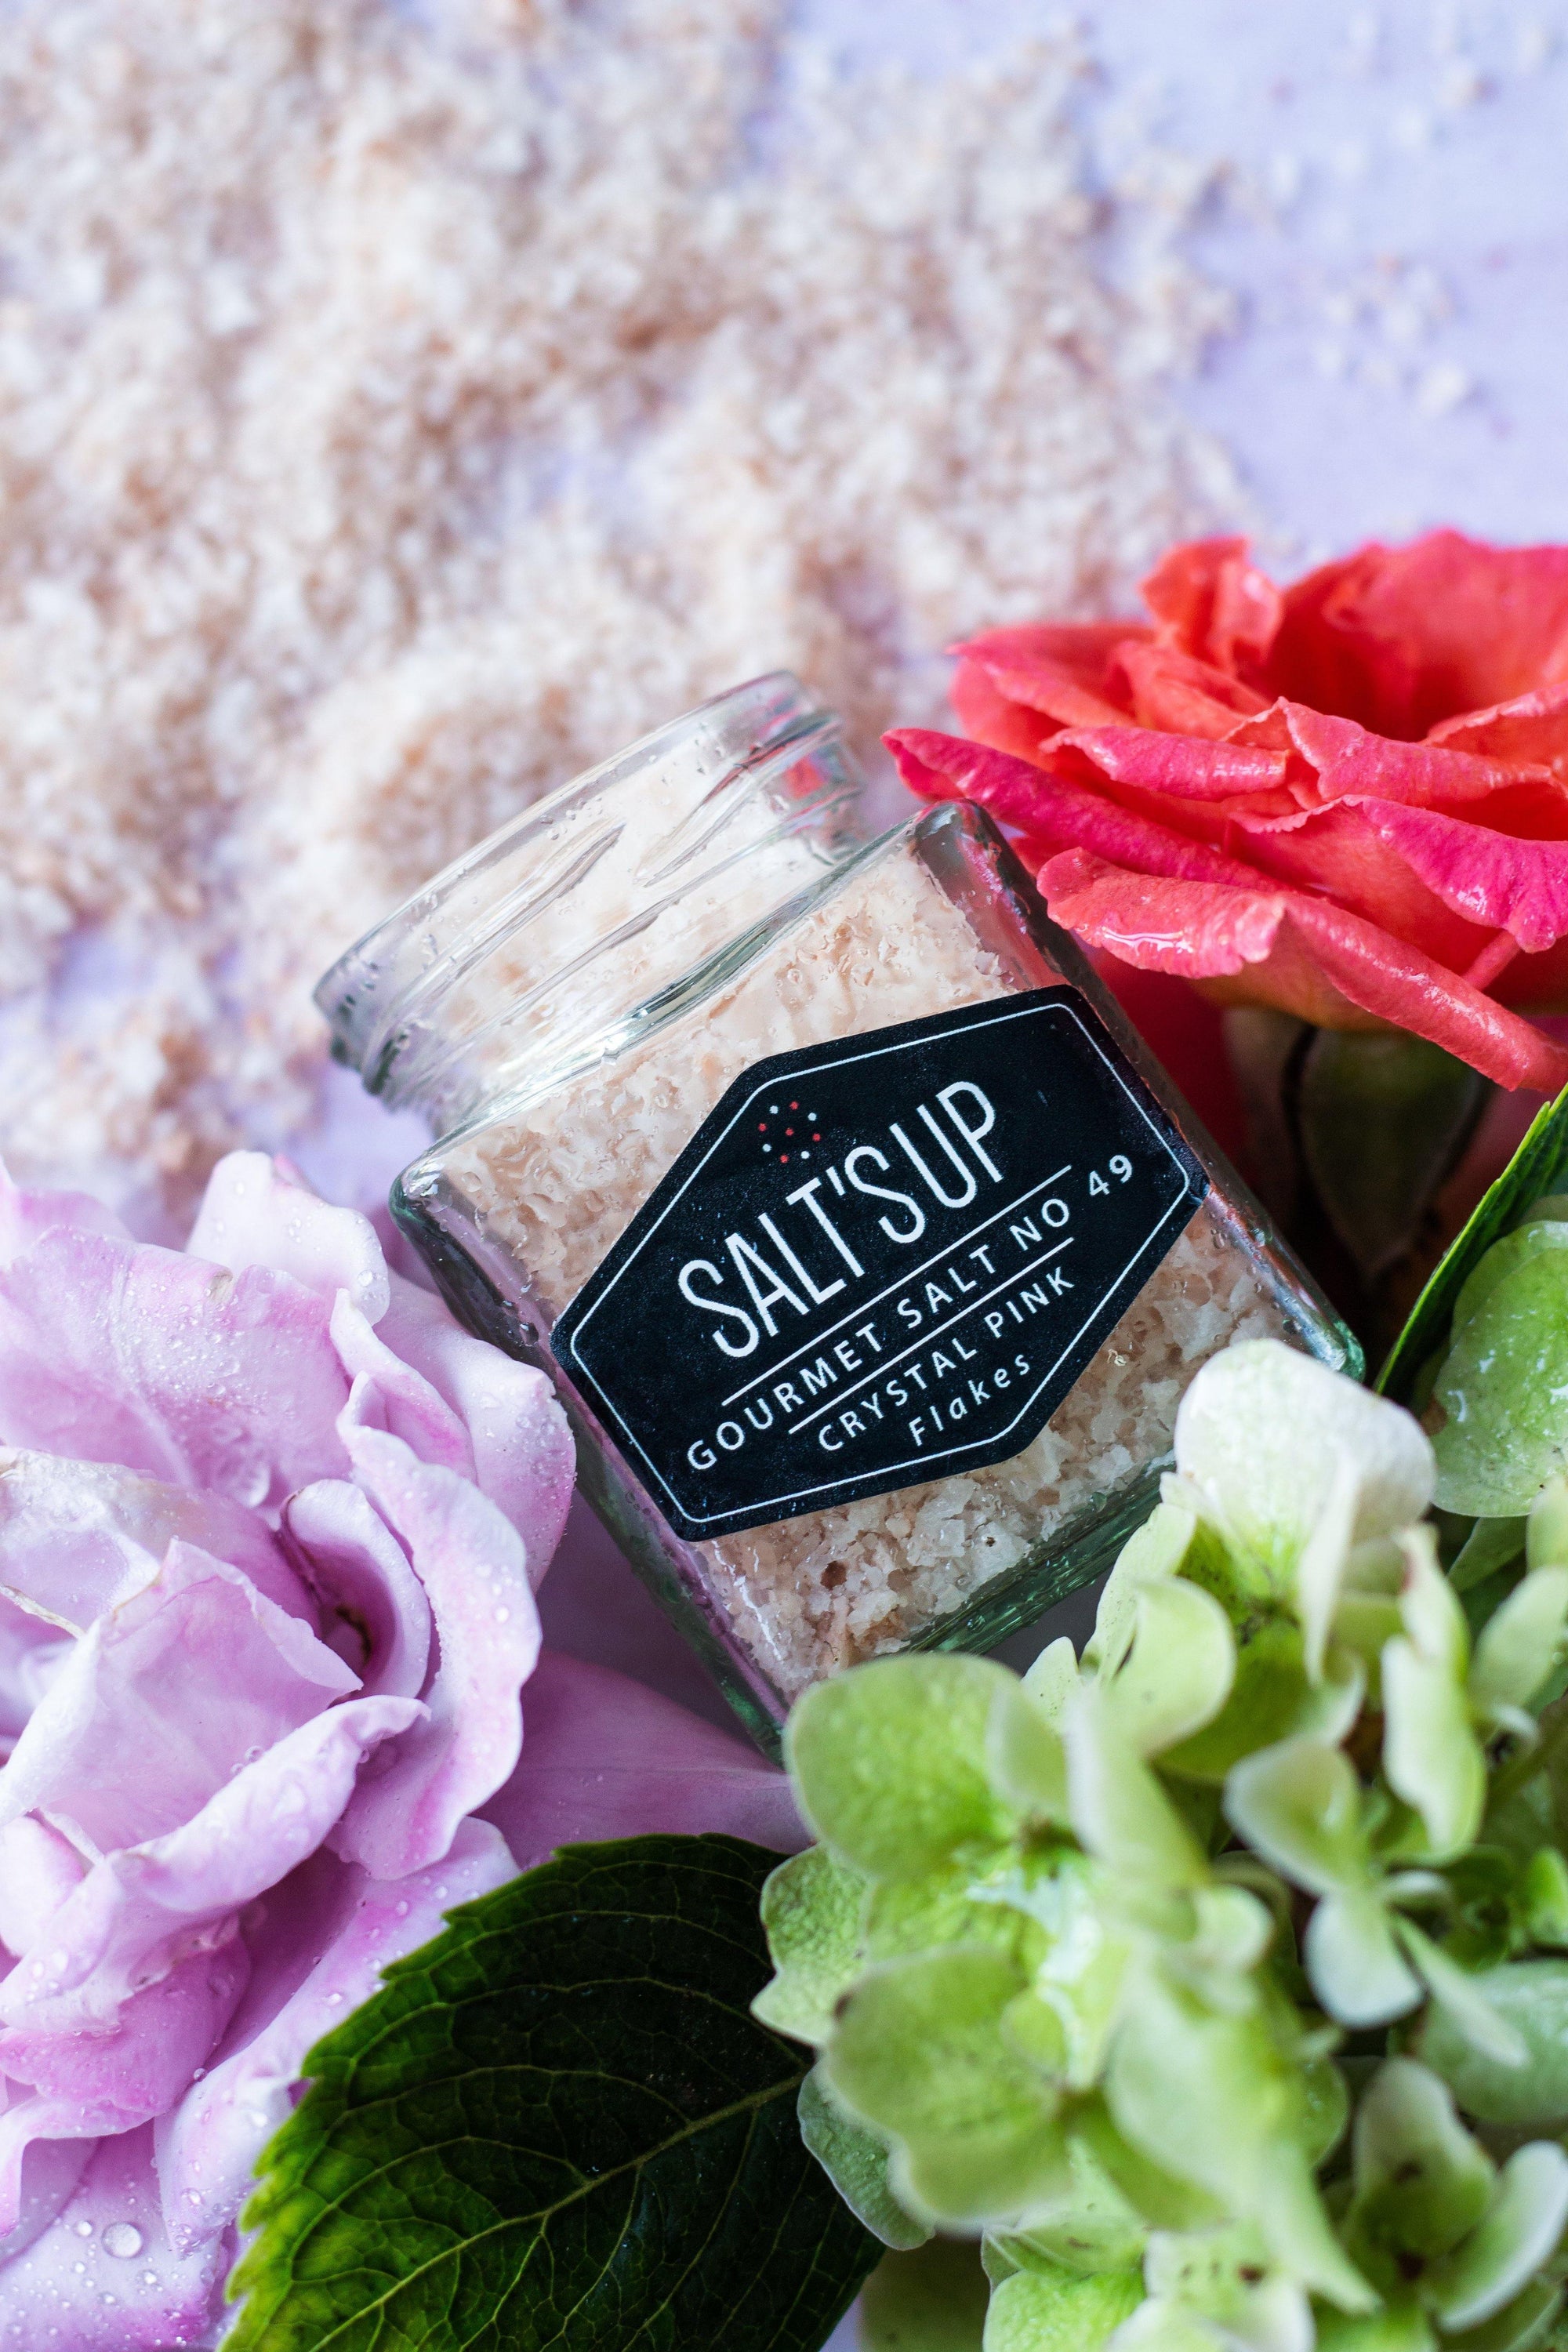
(1218, 1983)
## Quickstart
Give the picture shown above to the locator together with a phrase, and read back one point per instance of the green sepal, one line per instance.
(1061, 2311)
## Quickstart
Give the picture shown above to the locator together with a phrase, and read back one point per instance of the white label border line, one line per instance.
(929, 1338)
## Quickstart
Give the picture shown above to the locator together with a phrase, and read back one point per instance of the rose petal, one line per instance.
(139, 1912)
(1185, 697)
(71, 1533)
(1067, 673)
(1055, 812)
(112, 2081)
(1349, 761)
(190, 1677)
(366, 1588)
(50, 2171)
(28, 1213)
(1530, 728)
(390, 1394)
(473, 1567)
(38, 1868)
(1403, 637)
(260, 1212)
(1303, 954)
(118, 1351)
(31, 1653)
(607, 1758)
(524, 1458)
(1493, 878)
(340, 1943)
(98, 2299)
(1213, 604)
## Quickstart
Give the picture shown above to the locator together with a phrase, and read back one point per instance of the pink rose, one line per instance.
(1347, 798)
(270, 1524)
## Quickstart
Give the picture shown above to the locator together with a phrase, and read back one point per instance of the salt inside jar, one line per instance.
(868, 1250)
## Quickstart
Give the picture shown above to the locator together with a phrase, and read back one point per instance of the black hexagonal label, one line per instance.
(879, 1261)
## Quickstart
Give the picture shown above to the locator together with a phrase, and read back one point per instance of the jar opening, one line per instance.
(634, 870)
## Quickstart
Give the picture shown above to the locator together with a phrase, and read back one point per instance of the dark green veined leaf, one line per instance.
(559, 2124)
(1536, 1169)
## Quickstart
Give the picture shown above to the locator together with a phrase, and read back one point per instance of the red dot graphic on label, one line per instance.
(762, 1127)
(784, 1158)
(814, 1137)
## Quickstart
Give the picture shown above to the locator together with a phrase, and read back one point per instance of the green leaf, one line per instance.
(1502, 1259)
(1502, 1388)
(890, 1763)
(856, 2161)
(921, 2057)
(1530, 1996)
(811, 1909)
(1422, 2183)
(1515, 2236)
(558, 2121)
(1464, 1997)
(1491, 1544)
(1041, 2311)
(1530, 1175)
(933, 2300)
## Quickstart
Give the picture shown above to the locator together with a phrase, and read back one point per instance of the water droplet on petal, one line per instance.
(501, 1616)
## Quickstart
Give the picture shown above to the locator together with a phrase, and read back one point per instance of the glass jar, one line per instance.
(868, 1248)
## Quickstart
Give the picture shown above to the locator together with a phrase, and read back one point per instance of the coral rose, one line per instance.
(1347, 799)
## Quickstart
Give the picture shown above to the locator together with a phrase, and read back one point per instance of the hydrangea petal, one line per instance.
(472, 1565)
(117, 1351)
(140, 1910)
(1261, 1432)
(193, 1674)
(607, 1758)
(113, 2300)
(260, 1212)
(208, 2146)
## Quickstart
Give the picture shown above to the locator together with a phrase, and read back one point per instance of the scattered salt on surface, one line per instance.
(393, 420)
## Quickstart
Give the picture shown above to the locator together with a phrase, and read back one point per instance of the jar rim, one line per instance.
(766, 745)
